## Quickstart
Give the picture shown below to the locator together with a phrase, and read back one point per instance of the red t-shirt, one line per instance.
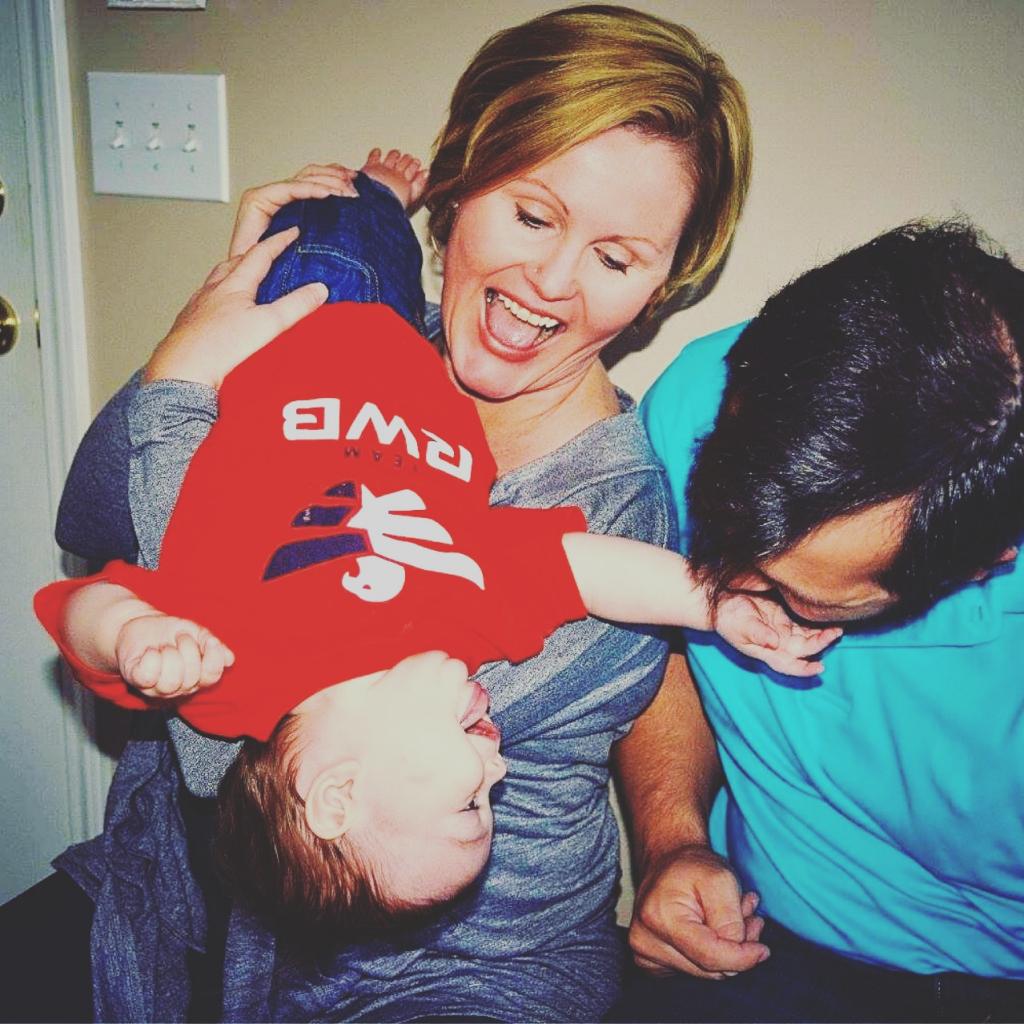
(335, 521)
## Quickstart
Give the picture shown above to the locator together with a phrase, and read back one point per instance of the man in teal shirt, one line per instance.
(857, 452)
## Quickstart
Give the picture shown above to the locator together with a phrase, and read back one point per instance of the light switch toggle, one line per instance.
(191, 141)
(120, 139)
(155, 142)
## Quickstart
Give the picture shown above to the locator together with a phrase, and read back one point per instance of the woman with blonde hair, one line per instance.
(594, 163)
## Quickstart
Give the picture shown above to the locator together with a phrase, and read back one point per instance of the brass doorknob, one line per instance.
(9, 324)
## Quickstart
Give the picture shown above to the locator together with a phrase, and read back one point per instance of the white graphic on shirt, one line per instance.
(319, 419)
(392, 534)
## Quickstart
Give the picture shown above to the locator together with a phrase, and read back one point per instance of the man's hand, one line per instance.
(164, 657)
(221, 325)
(760, 628)
(690, 916)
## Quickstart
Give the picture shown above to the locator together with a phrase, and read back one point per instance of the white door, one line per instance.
(36, 815)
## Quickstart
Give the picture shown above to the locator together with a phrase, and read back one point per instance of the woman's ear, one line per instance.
(331, 805)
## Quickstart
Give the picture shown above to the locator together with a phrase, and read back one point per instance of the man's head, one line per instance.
(369, 807)
(868, 455)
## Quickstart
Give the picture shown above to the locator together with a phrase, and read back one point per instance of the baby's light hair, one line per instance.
(310, 889)
(534, 91)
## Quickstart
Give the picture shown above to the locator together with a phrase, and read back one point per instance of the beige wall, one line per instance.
(865, 114)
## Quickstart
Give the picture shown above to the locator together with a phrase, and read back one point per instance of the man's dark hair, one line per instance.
(893, 371)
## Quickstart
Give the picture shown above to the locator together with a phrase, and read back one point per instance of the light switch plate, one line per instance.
(181, 5)
(159, 135)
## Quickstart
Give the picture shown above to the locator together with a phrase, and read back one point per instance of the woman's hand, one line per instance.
(258, 205)
(221, 325)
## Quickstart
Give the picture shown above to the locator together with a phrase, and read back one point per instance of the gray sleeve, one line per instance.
(94, 520)
(167, 422)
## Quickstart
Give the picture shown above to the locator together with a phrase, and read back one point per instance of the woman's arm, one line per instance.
(94, 519)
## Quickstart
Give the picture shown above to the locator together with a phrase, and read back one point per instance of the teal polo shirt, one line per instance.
(879, 808)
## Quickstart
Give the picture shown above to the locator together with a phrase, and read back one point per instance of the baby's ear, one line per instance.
(331, 809)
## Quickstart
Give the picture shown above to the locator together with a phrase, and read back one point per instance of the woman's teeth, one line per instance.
(547, 324)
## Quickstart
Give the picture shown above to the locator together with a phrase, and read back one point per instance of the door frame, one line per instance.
(60, 327)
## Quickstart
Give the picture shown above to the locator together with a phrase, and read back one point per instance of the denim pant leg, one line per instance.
(363, 249)
(800, 981)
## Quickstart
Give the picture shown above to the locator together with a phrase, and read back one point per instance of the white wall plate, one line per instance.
(180, 5)
(159, 135)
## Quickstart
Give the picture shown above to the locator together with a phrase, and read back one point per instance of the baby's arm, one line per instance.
(111, 630)
(628, 581)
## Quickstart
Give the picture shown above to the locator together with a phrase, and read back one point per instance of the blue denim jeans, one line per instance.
(363, 249)
(801, 981)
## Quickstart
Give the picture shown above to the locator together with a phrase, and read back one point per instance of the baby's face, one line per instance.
(428, 757)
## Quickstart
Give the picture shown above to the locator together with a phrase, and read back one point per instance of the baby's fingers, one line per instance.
(216, 657)
(157, 673)
(804, 643)
(172, 672)
(788, 665)
(191, 664)
(144, 672)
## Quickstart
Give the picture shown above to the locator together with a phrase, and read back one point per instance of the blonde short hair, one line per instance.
(534, 91)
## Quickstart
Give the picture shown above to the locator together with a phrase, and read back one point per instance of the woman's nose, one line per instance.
(553, 276)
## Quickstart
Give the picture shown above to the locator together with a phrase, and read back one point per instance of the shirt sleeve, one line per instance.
(50, 603)
(533, 587)
(167, 422)
(94, 520)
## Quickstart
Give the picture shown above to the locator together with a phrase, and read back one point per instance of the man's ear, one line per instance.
(1008, 555)
(332, 807)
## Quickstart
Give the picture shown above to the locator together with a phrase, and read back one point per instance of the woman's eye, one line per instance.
(611, 263)
(473, 805)
(535, 223)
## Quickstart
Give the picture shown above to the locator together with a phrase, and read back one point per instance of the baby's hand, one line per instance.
(399, 172)
(164, 657)
(760, 628)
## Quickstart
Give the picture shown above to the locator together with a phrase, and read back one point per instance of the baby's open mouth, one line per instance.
(476, 707)
(485, 727)
(474, 719)
(516, 326)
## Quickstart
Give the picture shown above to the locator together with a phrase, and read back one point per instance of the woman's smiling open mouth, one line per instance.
(515, 326)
